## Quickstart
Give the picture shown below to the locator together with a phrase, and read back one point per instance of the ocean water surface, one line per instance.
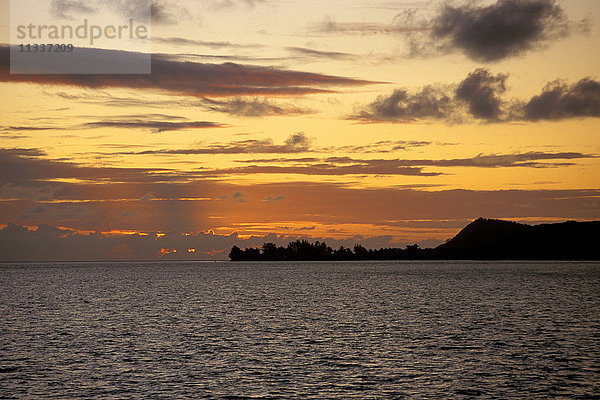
(330, 330)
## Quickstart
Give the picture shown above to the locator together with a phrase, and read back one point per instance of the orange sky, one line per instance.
(387, 124)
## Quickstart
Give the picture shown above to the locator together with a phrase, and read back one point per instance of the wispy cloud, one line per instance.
(331, 55)
(179, 41)
(253, 107)
(296, 143)
(217, 5)
(238, 106)
(274, 199)
(330, 26)
(64, 9)
(384, 146)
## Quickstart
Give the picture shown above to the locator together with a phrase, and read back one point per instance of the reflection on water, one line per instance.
(311, 330)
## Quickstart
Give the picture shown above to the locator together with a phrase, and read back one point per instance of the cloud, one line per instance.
(65, 8)
(26, 173)
(154, 126)
(501, 30)
(331, 55)
(148, 196)
(161, 11)
(330, 26)
(296, 143)
(19, 166)
(481, 91)
(238, 106)
(224, 4)
(360, 167)
(529, 160)
(345, 165)
(57, 212)
(274, 199)
(162, 14)
(179, 41)
(383, 146)
(484, 33)
(155, 122)
(560, 101)
(479, 97)
(189, 78)
(238, 197)
(24, 128)
(299, 141)
(253, 107)
(46, 242)
(29, 214)
(430, 102)
(63, 193)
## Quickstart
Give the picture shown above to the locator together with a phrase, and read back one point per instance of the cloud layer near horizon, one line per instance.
(37, 191)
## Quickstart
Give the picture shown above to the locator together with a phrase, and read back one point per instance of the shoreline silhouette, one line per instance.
(482, 239)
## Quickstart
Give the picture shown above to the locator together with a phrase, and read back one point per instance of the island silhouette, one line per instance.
(482, 239)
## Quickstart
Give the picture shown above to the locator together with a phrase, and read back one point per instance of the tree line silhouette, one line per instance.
(303, 250)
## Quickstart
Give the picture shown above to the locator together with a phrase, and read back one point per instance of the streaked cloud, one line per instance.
(369, 167)
(349, 165)
(296, 143)
(154, 126)
(225, 4)
(28, 165)
(331, 55)
(191, 79)
(238, 106)
(179, 41)
(155, 122)
(274, 199)
(383, 146)
(328, 25)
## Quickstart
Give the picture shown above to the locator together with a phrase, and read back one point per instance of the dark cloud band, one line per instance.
(191, 79)
(479, 97)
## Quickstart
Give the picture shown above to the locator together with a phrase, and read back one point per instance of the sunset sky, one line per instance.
(383, 123)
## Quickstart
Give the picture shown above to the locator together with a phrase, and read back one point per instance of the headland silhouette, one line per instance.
(482, 239)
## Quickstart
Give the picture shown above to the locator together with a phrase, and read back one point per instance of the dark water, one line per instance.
(300, 330)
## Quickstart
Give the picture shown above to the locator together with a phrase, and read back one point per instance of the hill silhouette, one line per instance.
(482, 239)
(497, 239)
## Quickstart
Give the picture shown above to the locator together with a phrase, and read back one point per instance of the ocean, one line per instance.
(314, 330)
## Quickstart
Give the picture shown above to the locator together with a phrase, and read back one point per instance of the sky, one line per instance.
(383, 123)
